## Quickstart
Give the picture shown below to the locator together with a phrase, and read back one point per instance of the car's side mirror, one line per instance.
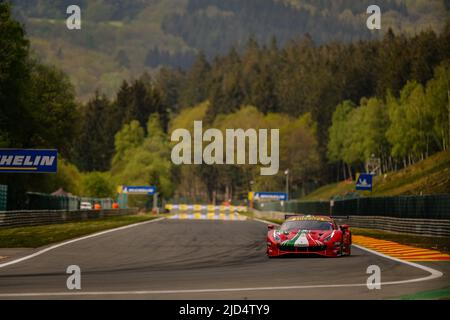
(270, 227)
(345, 227)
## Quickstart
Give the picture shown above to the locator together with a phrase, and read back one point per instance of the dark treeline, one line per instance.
(213, 26)
(182, 60)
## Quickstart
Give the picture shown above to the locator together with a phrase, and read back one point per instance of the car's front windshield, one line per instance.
(306, 225)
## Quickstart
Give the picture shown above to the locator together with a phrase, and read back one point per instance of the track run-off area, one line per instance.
(208, 257)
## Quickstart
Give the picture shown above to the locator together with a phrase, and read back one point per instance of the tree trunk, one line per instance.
(350, 172)
(448, 128)
(344, 171)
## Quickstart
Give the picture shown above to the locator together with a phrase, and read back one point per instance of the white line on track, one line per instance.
(433, 274)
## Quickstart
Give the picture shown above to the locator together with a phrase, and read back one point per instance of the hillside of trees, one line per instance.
(129, 36)
(335, 104)
(384, 97)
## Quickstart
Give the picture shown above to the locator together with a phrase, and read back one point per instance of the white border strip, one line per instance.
(434, 274)
(31, 256)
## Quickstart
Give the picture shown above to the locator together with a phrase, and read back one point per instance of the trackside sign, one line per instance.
(364, 182)
(28, 161)
(277, 196)
(148, 190)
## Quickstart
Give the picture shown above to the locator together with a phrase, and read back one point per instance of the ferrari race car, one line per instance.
(313, 235)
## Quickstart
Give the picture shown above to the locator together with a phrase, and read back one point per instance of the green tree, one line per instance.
(14, 78)
(397, 134)
(410, 124)
(127, 139)
(169, 83)
(54, 111)
(95, 143)
(339, 130)
(353, 148)
(143, 161)
(375, 125)
(339, 133)
(299, 152)
(226, 93)
(196, 84)
(438, 100)
(98, 185)
(144, 99)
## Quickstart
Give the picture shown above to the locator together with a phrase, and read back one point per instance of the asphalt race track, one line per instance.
(188, 259)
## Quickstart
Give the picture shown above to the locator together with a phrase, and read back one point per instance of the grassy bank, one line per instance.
(431, 176)
(34, 237)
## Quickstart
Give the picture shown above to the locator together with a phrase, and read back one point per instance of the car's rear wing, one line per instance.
(340, 217)
(287, 216)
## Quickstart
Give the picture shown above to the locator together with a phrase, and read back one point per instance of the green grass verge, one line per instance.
(443, 294)
(34, 237)
(436, 243)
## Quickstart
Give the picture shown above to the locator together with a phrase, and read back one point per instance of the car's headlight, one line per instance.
(328, 238)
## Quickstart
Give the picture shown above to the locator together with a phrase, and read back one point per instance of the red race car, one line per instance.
(313, 235)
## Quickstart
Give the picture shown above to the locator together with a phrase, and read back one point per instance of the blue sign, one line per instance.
(279, 196)
(29, 161)
(364, 182)
(139, 190)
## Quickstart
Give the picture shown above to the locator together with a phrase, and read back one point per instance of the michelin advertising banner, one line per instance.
(28, 161)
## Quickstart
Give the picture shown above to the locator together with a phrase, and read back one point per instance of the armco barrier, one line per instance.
(42, 201)
(414, 207)
(426, 227)
(3, 197)
(35, 218)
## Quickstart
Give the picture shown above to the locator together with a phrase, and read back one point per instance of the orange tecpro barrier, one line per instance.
(115, 205)
(97, 206)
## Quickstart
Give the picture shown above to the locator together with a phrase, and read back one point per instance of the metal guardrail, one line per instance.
(10, 219)
(3, 197)
(416, 207)
(425, 227)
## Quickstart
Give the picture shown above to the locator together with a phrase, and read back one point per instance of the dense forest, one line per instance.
(129, 36)
(335, 104)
